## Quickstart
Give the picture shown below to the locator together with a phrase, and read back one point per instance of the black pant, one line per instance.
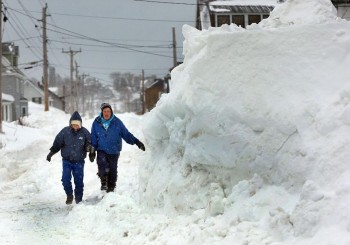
(108, 167)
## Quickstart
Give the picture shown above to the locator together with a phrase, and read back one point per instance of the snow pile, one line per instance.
(255, 128)
(301, 12)
(250, 147)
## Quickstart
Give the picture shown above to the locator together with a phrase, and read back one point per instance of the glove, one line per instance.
(48, 158)
(92, 156)
(140, 145)
(90, 149)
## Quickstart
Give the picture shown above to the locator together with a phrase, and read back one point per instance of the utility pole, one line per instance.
(77, 86)
(83, 90)
(174, 48)
(143, 91)
(72, 53)
(45, 71)
(1, 66)
(64, 98)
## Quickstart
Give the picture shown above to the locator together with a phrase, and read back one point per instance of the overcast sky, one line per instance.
(99, 28)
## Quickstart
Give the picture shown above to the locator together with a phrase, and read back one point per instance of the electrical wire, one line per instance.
(115, 18)
(122, 18)
(22, 32)
(153, 1)
(20, 35)
(70, 34)
(125, 45)
(50, 44)
(97, 40)
(109, 43)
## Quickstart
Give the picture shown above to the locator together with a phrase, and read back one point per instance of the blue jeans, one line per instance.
(77, 170)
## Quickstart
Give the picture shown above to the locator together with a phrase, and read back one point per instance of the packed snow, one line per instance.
(249, 147)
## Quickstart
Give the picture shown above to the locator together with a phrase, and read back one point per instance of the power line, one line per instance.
(20, 35)
(153, 1)
(49, 43)
(108, 51)
(131, 48)
(25, 38)
(112, 44)
(114, 18)
(22, 32)
(122, 18)
(105, 46)
(29, 14)
(126, 40)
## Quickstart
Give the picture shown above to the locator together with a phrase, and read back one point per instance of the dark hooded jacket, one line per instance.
(72, 144)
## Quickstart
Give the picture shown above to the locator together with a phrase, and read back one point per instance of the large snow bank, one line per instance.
(255, 118)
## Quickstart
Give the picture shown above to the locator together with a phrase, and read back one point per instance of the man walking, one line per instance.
(107, 133)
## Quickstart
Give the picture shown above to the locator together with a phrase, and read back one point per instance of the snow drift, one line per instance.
(253, 123)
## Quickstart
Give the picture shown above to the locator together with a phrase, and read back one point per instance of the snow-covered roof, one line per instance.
(245, 2)
(241, 9)
(9, 70)
(243, 6)
(151, 83)
(7, 97)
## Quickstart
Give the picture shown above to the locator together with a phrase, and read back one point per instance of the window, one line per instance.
(223, 19)
(265, 16)
(238, 20)
(36, 100)
(254, 19)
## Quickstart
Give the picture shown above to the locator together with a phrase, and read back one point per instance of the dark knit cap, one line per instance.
(106, 105)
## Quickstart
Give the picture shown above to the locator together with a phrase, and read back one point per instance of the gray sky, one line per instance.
(99, 28)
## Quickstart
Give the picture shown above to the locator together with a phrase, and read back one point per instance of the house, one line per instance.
(245, 12)
(35, 93)
(12, 84)
(240, 12)
(153, 90)
(19, 87)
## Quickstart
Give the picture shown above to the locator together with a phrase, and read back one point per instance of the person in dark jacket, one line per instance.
(107, 133)
(73, 141)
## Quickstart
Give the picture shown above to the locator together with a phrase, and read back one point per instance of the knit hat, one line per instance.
(106, 105)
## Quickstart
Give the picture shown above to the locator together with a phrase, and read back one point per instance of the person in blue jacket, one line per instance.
(74, 141)
(107, 133)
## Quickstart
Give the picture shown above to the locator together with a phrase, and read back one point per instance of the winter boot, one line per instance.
(110, 189)
(104, 183)
(78, 199)
(69, 199)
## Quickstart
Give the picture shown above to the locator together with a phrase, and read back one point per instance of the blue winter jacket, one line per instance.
(72, 144)
(110, 140)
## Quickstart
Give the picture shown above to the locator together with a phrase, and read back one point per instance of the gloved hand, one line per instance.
(140, 145)
(92, 156)
(48, 158)
(90, 149)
